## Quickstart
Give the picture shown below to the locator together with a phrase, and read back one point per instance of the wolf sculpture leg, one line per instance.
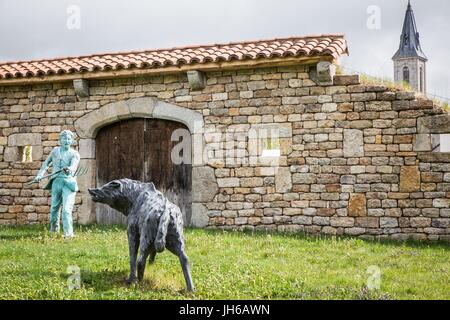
(144, 252)
(133, 246)
(175, 244)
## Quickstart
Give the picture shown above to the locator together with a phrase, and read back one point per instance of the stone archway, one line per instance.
(88, 126)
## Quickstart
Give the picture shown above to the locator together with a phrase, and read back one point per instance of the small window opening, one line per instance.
(440, 142)
(406, 75)
(27, 154)
(421, 79)
(271, 147)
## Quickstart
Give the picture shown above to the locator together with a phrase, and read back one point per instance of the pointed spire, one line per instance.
(409, 40)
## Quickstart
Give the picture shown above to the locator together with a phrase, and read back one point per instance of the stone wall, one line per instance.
(352, 160)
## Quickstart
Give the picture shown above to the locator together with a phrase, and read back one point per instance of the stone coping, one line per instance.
(435, 157)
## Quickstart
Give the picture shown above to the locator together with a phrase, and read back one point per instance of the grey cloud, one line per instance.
(37, 29)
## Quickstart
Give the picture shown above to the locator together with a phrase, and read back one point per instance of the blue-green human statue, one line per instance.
(63, 185)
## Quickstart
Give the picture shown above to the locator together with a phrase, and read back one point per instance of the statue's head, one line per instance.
(66, 138)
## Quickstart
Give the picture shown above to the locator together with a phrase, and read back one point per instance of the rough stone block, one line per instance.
(86, 211)
(325, 72)
(402, 95)
(37, 153)
(81, 87)
(345, 80)
(357, 206)
(422, 142)
(342, 222)
(386, 222)
(87, 148)
(355, 231)
(420, 222)
(409, 179)
(329, 107)
(228, 182)
(11, 154)
(353, 143)
(220, 96)
(199, 218)
(434, 124)
(204, 185)
(196, 79)
(367, 222)
(283, 180)
(441, 203)
(302, 220)
(304, 178)
(295, 83)
(251, 182)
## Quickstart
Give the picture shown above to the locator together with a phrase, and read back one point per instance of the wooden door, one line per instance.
(140, 149)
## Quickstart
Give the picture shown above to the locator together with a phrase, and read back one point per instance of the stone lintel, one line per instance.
(24, 139)
(434, 157)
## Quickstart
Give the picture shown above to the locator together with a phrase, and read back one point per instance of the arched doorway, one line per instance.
(141, 149)
(88, 126)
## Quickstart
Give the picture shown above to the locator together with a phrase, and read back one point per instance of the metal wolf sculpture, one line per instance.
(154, 223)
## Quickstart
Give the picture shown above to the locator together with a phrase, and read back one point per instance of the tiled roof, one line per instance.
(322, 45)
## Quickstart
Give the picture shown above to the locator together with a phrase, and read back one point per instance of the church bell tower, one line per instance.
(410, 61)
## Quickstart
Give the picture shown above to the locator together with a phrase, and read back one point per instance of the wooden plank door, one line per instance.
(119, 154)
(174, 180)
(140, 149)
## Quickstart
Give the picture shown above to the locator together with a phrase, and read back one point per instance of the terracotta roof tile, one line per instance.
(322, 45)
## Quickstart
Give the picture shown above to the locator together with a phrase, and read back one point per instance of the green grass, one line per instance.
(225, 265)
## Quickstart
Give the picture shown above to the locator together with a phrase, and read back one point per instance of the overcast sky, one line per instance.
(34, 29)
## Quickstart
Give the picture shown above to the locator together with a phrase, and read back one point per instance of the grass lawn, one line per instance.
(225, 265)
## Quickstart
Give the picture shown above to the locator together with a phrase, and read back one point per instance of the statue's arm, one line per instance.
(44, 166)
(74, 163)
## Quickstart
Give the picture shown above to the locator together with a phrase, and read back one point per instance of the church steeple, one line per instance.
(410, 40)
(410, 60)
